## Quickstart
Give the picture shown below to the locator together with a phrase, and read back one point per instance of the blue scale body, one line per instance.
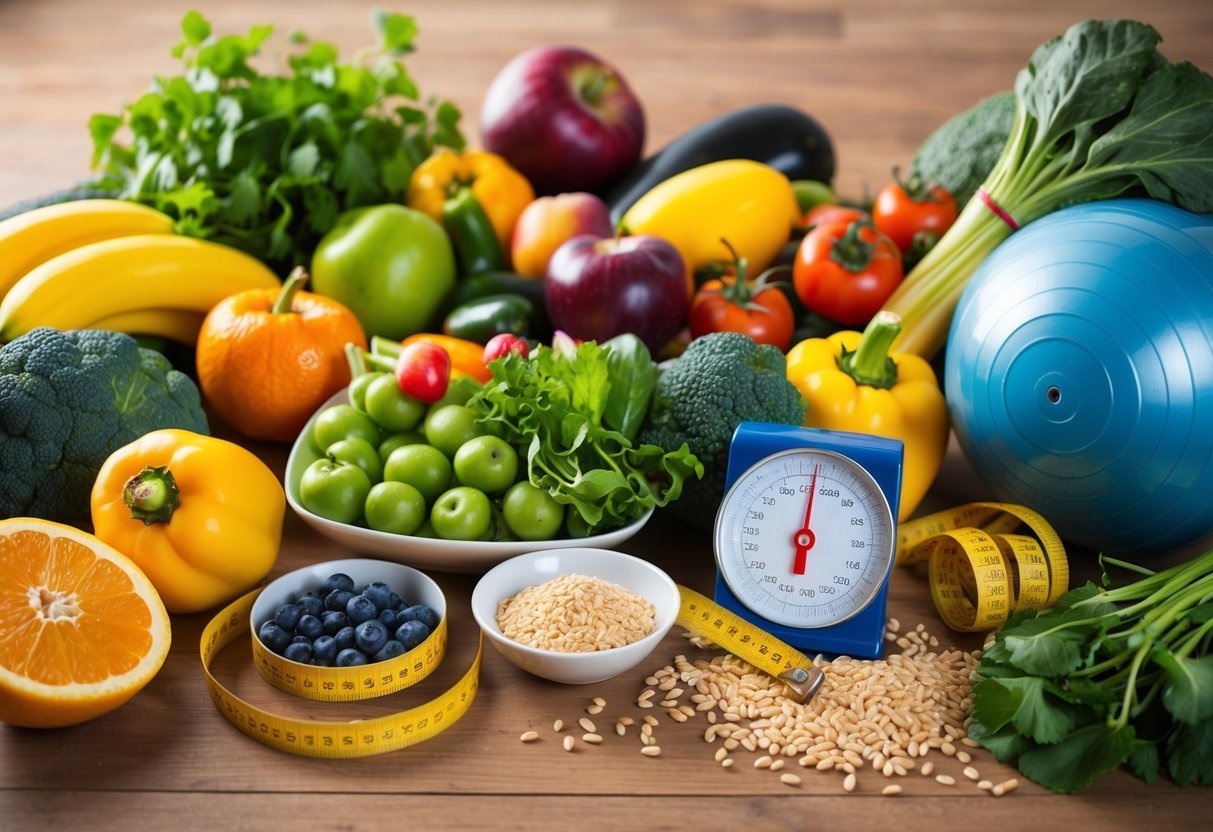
(861, 636)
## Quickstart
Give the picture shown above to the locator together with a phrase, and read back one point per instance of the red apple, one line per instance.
(598, 287)
(548, 222)
(564, 117)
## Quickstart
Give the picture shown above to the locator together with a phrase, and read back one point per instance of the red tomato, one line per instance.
(900, 213)
(722, 306)
(828, 212)
(503, 344)
(423, 371)
(846, 271)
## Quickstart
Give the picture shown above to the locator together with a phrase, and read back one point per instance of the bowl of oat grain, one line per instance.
(577, 615)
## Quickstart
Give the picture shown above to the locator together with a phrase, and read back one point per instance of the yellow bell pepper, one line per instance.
(750, 204)
(851, 382)
(200, 516)
(500, 189)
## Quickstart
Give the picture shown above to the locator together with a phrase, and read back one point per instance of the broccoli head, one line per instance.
(722, 380)
(960, 154)
(70, 399)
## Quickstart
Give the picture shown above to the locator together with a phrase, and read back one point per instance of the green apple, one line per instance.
(399, 440)
(343, 421)
(462, 513)
(395, 507)
(391, 265)
(334, 490)
(422, 466)
(357, 451)
(449, 427)
(487, 463)
(390, 407)
(531, 513)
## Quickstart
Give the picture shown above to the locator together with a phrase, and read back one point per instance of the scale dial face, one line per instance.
(804, 538)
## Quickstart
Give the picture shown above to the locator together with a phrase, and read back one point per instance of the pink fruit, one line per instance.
(548, 222)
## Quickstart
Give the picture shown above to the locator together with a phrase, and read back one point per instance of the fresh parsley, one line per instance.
(266, 162)
(1107, 677)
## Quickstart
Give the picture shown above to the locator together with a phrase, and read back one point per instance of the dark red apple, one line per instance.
(598, 287)
(564, 117)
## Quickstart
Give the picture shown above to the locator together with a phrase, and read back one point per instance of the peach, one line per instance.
(548, 222)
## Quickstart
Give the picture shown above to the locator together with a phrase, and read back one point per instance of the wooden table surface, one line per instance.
(880, 76)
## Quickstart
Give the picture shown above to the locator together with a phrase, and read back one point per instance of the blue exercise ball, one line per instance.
(1079, 374)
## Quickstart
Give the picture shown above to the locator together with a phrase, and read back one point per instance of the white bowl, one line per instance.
(425, 552)
(639, 576)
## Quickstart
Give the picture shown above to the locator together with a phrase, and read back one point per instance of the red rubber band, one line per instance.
(985, 197)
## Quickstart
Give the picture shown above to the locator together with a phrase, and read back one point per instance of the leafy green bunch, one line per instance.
(266, 162)
(571, 410)
(1104, 678)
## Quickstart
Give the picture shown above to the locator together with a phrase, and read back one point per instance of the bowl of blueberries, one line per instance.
(346, 613)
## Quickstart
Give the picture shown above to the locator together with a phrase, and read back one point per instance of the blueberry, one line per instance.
(379, 593)
(349, 657)
(397, 603)
(298, 652)
(412, 633)
(337, 599)
(312, 603)
(297, 639)
(359, 609)
(288, 616)
(273, 636)
(389, 650)
(309, 626)
(338, 580)
(325, 649)
(370, 636)
(333, 621)
(345, 638)
(422, 613)
(388, 617)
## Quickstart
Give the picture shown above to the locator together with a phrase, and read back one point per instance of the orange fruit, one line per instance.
(82, 630)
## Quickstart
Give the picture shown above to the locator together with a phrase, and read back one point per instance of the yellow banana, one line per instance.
(181, 325)
(150, 271)
(30, 239)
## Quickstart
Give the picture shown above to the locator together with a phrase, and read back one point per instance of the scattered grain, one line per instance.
(848, 783)
(594, 710)
(970, 742)
(529, 736)
(621, 729)
(776, 765)
(964, 757)
(592, 739)
(569, 742)
(651, 751)
(926, 769)
(575, 614)
(972, 773)
(985, 785)
(649, 719)
(588, 725)
(727, 762)
(891, 789)
(763, 762)
(790, 779)
(626, 720)
(599, 701)
(945, 779)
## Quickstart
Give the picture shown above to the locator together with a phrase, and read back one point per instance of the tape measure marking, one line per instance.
(318, 738)
(706, 618)
(979, 572)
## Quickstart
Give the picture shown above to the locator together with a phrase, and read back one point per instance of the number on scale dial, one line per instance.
(804, 538)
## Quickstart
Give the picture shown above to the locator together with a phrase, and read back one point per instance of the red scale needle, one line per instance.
(803, 538)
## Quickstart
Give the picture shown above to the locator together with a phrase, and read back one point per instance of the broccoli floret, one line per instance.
(722, 380)
(70, 399)
(960, 154)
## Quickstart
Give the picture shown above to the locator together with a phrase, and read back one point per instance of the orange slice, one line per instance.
(82, 630)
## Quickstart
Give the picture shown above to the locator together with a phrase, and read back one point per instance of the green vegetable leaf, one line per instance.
(396, 31)
(1044, 647)
(102, 127)
(244, 201)
(1201, 613)
(1188, 691)
(1021, 701)
(304, 160)
(1165, 142)
(1086, 75)
(1005, 745)
(195, 28)
(1144, 761)
(1188, 759)
(1072, 764)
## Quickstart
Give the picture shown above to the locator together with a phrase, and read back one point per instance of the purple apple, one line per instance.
(564, 117)
(549, 222)
(598, 287)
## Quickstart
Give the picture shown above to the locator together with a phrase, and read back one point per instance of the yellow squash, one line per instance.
(202, 517)
(851, 382)
(750, 204)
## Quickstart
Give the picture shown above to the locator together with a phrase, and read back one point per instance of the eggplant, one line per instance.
(783, 137)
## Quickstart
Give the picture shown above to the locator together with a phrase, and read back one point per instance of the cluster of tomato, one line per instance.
(844, 267)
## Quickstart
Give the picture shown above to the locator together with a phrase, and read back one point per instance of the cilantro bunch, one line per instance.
(565, 408)
(266, 162)
(1106, 677)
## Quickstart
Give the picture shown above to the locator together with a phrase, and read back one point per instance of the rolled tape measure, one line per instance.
(979, 571)
(318, 738)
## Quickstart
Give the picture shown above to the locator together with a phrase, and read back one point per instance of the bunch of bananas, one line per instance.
(110, 264)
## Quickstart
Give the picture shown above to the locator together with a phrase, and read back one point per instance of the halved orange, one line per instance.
(82, 630)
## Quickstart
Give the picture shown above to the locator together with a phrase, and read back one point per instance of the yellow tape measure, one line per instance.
(357, 738)
(979, 572)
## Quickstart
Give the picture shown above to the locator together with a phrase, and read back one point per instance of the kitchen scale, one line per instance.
(805, 537)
